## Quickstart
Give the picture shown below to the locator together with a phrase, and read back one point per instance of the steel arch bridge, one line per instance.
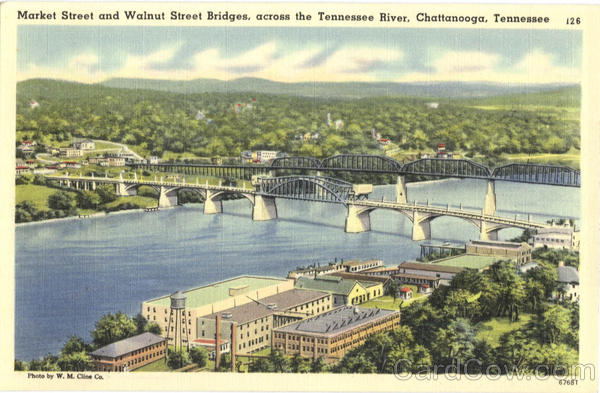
(362, 163)
(376, 164)
(540, 174)
(308, 188)
(296, 162)
(446, 167)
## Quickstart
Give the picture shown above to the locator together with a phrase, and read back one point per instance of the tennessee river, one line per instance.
(70, 273)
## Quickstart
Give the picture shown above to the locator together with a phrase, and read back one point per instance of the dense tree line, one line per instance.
(441, 332)
(161, 121)
(74, 355)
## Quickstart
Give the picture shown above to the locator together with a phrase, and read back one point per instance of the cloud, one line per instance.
(536, 67)
(272, 60)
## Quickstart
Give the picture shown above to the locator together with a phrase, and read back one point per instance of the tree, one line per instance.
(298, 364)
(106, 193)
(153, 327)
(111, 328)
(280, 363)
(73, 345)
(140, 323)
(88, 200)
(61, 200)
(393, 289)
(75, 361)
(178, 359)
(318, 365)
(355, 362)
(454, 345)
(47, 363)
(20, 365)
(199, 355)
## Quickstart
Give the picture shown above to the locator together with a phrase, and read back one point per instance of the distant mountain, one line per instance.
(331, 89)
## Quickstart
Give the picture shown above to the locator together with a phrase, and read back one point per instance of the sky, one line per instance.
(95, 53)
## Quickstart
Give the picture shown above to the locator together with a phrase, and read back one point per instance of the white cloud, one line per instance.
(474, 66)
(272, 61)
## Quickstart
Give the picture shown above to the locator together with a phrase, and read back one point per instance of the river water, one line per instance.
(70, 273)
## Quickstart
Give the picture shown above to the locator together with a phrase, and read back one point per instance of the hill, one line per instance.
(225, 124)
(329, 90)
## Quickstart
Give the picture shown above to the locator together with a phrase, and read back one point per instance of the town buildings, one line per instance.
(130, 353)
(557, 237)
(519, 252)
(568, 280)
(358, 266)
(331, 335)
(85, 144)
(317, 270)
(425, 273)
(70, 152)
(256, 320)
(211, 299)
(345, 292)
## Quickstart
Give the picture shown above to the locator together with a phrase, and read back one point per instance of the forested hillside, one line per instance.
(220, 124)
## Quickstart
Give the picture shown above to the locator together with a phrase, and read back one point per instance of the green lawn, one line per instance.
(491, 330)
(38, 195)
(141, 201)
(388, 303)
(159, 365)
(468, 261)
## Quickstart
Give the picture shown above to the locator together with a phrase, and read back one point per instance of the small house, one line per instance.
(405, 293)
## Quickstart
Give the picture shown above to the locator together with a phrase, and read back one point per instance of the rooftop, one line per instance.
(567, 274)
(201, 296)
(129, 345)
(416, 276)
(562, 230)
(431, 267)
(361, 277)
(338, 320)
(468, 261)
(381, 269)
(360, 263)
(282, 302)
(497, 244)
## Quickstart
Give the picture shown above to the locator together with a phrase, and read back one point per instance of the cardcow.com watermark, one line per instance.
(474, 370)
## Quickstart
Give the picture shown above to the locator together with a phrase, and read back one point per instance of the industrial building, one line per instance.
(255, 321)
(519, 252)
(130, 353)
(345, 292)
(210, 299)
(333, 334)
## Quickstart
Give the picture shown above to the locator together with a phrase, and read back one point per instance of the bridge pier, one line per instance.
(167, 197)
(489, 208)
(421, 226)
(489, 231)
(122, 190)
(264, 208)
(401, 196)
(213, 203)
(358, 219)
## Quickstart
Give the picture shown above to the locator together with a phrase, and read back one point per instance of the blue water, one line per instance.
(70, 273)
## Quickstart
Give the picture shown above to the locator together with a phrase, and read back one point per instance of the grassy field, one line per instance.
(142, 202)
(388, 303)
(491, 330)
(158, 366)
(38, 195)
(571, 158)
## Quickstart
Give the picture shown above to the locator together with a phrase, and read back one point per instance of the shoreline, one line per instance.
(127, 211)
(72, 218)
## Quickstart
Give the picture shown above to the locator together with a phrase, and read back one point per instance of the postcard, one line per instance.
(299, 196)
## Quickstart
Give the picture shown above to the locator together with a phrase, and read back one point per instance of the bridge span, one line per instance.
(264, 191)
